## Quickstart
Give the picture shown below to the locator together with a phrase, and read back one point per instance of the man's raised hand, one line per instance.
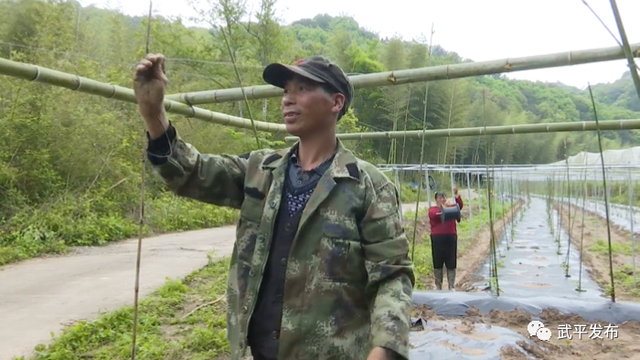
(149, 85)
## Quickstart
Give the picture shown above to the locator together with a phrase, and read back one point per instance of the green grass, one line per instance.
(602, 247)
(622, 274)
(623, 277)
(88, 222)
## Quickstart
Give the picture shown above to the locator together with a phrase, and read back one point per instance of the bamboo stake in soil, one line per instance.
(493, 258)
(606, 199)
(141, 224)
(568, 201)
(432, 73)
(424, 128)
(631, 220)
(584, 202)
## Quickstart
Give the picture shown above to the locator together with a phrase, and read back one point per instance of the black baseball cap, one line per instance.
(315, 68)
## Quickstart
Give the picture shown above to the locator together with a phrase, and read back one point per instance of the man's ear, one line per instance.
(338, 102)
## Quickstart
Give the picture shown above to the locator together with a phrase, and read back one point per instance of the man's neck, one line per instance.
(313, 151)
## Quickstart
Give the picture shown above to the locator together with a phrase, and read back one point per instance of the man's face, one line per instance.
(307, 108)
(441, 199)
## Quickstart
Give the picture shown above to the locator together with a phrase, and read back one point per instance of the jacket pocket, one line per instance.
(341, 260)
(253, 205)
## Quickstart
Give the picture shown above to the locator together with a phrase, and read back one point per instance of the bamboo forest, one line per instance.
(100, 260)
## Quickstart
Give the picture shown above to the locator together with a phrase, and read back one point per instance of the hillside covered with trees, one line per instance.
(70, 166)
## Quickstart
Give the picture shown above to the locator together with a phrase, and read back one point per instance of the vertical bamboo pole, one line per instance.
(633, 242)
(470, 207)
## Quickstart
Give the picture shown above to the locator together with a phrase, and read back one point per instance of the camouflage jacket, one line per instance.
(349, 280)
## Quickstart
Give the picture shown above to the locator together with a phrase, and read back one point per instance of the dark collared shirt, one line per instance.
(300, 184)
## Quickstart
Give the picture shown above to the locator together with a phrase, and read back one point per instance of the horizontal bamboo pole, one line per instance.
(77, 83)
(508, 167)
(432, 73)
(492, 130)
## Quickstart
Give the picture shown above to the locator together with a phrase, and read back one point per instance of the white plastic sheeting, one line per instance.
(533, 262)
(611, 157)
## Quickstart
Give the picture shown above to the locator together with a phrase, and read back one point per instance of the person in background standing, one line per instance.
(444, 240)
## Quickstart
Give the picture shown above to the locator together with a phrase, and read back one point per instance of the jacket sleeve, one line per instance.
(390, 271)
(213, 179)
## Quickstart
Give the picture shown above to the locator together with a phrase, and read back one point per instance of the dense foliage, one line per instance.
(70, 164)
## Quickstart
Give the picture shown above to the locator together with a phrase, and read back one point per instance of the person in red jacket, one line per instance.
(444, 241)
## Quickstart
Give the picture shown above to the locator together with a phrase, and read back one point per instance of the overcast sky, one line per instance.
(475, 29)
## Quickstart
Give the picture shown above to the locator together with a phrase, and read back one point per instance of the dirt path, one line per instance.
(41, 296)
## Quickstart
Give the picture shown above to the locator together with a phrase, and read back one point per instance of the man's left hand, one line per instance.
(455, 191)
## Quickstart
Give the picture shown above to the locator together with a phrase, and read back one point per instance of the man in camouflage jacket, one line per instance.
(320, 266)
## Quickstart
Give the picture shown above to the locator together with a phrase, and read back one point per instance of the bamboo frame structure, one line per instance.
(432, 73)
(77, 83)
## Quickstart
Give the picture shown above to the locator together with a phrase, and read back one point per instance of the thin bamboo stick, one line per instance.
(431, 73)
(633, 68)
(77, 83)
(606, 197)
(494, 130)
